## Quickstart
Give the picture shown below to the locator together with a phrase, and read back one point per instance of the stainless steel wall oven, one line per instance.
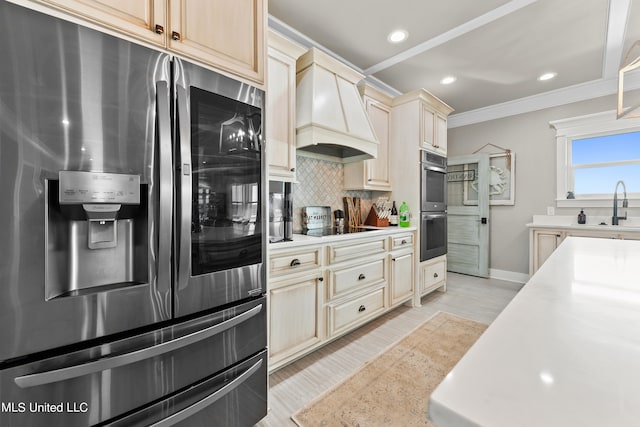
(433, 206)
(133, 229)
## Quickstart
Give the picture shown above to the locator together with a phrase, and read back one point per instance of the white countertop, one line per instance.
(564, 352)
(302, 240)
(594, 223)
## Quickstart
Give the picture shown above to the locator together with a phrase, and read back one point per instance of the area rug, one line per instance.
(393, 389)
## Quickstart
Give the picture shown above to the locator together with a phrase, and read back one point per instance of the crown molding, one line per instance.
(554, 98)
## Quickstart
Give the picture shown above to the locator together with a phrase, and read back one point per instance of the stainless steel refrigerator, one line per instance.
(132, 230)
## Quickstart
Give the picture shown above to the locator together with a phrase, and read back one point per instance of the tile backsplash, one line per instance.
(320, 183)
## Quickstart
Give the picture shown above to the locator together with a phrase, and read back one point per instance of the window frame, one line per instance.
(588, 126)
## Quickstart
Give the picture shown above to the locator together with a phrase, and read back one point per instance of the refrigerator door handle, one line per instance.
(166, 186)
(57, 375)
(212, 398)
(184, 211)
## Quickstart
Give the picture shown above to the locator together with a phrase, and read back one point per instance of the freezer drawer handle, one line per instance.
(212, 398)
(106, 363)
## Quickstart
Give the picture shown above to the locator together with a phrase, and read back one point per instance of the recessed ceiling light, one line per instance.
(397, 36)
(547, 76)
(448, 80)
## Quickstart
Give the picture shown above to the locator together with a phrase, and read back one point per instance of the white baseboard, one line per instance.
(510, 276)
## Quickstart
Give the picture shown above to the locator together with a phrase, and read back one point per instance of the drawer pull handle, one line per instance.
(361, 308)
(435, 275)
(361, 276)
(294, 263)
(404, 242)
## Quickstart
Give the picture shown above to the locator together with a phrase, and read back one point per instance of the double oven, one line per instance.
(433, 206)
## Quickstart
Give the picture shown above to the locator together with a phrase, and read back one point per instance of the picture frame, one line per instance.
(502, 180)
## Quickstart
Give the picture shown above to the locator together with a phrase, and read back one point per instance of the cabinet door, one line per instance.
(434, 275)
(378, 169)
(143, 19)
(280, 117)
(295, 324)
(545, 243)
(401, 278)
(427, 128)
(441, 134)
(228, 34)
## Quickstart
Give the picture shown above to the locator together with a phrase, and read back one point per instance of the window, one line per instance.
(598, 163)
(593, 153)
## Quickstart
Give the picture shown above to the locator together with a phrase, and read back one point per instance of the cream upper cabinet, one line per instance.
(226, 34)
(424, 119)
(281, 107)
(143, 19)
(373, 174)
(440, 132)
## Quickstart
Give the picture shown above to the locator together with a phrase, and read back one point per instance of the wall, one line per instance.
(320, 184)
(533, 141)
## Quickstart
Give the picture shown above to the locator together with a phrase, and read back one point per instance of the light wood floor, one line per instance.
(300, 382)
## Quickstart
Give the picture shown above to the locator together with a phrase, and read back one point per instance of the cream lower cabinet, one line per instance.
(295, 313)
(357, 282)
(544, 240)
(542, 243)
(402, 261)
(319, 292)
(433, 275)
(296, 299)
(226, 34)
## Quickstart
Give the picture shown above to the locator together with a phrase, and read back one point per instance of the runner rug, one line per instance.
(393, 389)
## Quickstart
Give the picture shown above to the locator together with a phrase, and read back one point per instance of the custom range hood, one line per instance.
(331, 119)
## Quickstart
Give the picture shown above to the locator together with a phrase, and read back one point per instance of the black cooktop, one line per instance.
(332, 231)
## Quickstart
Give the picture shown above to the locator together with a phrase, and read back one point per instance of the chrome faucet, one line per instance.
(625, 204)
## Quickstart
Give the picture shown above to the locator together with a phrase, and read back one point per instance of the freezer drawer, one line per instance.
(236, 397)
(106, 381)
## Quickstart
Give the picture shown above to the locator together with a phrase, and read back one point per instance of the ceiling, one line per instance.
(496, 49)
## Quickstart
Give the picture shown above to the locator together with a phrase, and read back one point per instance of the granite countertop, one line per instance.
(564, 352)
(302, 240)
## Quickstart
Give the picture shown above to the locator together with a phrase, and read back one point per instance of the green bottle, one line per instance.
(403, 217)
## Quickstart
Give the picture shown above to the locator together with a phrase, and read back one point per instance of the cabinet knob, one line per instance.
(361, 277)
(320, 279)
(293, 169)
(404, 242)
(361, 308)
(294, 263)
(159, 29)
(175, 35)
(435, 275)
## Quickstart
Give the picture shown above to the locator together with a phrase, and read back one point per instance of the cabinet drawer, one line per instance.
(345, 251)
(433, 274)
(302, 259)
(350, 313)
(402, 241)
(348, 279)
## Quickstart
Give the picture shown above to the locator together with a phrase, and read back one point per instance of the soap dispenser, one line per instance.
(582, 217)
